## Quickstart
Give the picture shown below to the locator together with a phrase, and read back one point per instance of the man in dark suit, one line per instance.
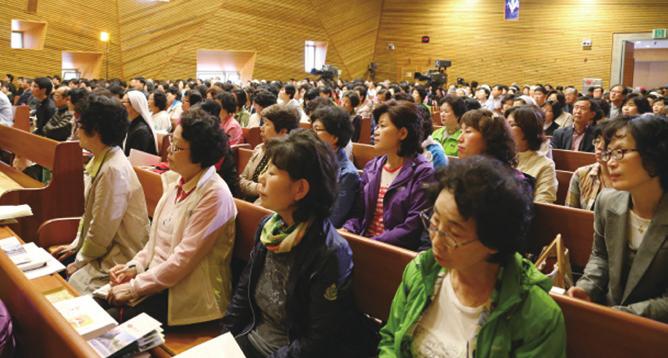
(579, 136)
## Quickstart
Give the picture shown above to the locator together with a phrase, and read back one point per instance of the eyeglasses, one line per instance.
(175, 149)
(425, 218)
(616, 154)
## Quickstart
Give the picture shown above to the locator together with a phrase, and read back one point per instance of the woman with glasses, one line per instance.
(629, 260)
(391, 185)
(452, 110)
(182, 276)
(473, 294)
(114, 225)
(588, 181)
(277, 121)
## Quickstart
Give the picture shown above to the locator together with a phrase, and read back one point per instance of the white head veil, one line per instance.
(140, 104)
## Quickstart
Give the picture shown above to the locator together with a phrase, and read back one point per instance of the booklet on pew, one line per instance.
(86, 316)
(34, 261)
(223, 346)
(138, 334)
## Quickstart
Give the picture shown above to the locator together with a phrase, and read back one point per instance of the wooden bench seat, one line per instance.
(252, 136)
(363, 153)
(564, 180)
(570, 160)
(62, 196)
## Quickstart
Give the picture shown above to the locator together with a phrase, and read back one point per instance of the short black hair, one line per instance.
(175, 91)
(540, 89)
(304, 156)
(530, 120)
(353, 98)
(290, 90)
(194, 97)
(488, 191)
(264, 98)
(641, 103)
(44, 83)
(240, 96)
(336, 122)
(499, 142)
(404, 114)
(282, 116)
(211, 107)
(227, 102)
(593, 106)
(103, 115)
(649, 132)
(160, 100)
(421, 90)
(208, 142)
(472, 104)
(456, 103)
(557, 107)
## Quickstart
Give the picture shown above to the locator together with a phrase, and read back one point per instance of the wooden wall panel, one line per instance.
(543, 46)
(72, 25)
(161, 40)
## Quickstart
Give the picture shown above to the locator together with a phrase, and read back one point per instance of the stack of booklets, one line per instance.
(34, 261)
(138, 334)
(86, 316)
(10, 212)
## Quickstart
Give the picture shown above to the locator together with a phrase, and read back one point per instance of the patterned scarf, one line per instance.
(280, 239)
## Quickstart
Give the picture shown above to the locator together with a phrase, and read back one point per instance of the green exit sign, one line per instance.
(659, 33)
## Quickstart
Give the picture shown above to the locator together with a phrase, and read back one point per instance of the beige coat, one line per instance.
(115, 223)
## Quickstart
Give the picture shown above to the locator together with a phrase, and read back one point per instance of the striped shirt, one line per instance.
(387, 177)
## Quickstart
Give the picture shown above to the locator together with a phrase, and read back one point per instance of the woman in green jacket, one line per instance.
(473, 294)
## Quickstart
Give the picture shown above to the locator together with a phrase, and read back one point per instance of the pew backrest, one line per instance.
(570, 160)
(140, 158)
(22, 118)
(576, 227)
(248, 221)
(597, 331)
(377, 274)
(365, 130)
(152, 186)
(563, 179)
(62, 197)
(252, 136)
(243, 156)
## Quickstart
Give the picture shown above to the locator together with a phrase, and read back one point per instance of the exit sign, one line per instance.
(659, 33)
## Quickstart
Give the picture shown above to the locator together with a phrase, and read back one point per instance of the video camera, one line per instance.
(437, 77)
(328, 72)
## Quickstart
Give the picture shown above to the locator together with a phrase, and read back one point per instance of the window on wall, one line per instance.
(315, 53)
(17, 39)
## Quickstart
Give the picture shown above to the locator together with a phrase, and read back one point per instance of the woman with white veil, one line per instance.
(140, 133)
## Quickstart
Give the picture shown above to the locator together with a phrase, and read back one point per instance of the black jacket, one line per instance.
(140, 137)
(322, 320)
(562, 138)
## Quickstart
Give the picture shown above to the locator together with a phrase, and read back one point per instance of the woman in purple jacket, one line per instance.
(392, 195)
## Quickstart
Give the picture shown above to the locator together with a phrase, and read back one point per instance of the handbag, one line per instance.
(561, 273)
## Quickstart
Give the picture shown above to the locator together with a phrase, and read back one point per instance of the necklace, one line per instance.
(639, 223)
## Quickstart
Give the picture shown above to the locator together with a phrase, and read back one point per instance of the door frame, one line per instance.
(617, 63)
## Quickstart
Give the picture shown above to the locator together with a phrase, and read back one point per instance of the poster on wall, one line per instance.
(512, 12)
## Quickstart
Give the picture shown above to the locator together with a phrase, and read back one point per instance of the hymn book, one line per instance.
(86, 316)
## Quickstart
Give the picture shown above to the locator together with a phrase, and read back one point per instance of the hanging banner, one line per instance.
(512, 12)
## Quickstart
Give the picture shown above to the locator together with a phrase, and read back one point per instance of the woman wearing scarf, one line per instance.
(140, 133)
(294, 296)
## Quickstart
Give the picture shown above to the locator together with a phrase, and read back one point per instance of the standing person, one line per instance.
(472, 294)
(114, 226)
(294, 298)
(628, 264)
(183, 272)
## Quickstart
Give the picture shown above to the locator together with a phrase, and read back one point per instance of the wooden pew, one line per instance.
(140, 158)
(62, 197)
(40, 330)
(365, 131)
(22, 118)
(377, 273)
(164, 141)
(576, 227)
(363, 153)
(304, 125)
(152, 185)
(564, 179)
(252, 136)
(436, 118)
(593, 330)
(569, 160)
(243, 155)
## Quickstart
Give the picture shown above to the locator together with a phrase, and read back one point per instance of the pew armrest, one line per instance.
(61, 231)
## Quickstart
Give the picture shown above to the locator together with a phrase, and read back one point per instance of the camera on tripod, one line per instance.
(436, 77)
(328, 72)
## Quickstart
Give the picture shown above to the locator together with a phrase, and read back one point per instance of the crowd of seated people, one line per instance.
(469, 215)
